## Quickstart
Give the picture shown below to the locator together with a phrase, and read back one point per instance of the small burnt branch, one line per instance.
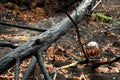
(29, 68)
(22, 26)
(95, 62)
(17, 68)
(39, 56)
(78, 35)
(8, 45)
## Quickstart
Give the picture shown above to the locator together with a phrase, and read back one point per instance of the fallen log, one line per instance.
(44, 40)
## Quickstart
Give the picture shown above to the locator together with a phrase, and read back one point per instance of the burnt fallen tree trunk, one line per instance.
(44, 40)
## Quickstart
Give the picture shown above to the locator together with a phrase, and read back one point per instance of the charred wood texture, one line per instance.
(29, 68)
(42, 42)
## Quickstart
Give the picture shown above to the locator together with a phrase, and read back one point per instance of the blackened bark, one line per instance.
(45, 39)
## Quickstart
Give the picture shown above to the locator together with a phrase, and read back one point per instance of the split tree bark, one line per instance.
(44, 40)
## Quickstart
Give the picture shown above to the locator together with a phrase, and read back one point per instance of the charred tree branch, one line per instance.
(78, 35)
(40, 61)
(29, 68)
(17, 68)
(22, 26)
(96, 63)
(7, 45)
(45, 39)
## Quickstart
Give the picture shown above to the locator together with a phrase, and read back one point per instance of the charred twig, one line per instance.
(17, 68)
(39, 56)
(29, 68)
(8, 45)
(78, 35)
(22, 26)
(96, 63)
